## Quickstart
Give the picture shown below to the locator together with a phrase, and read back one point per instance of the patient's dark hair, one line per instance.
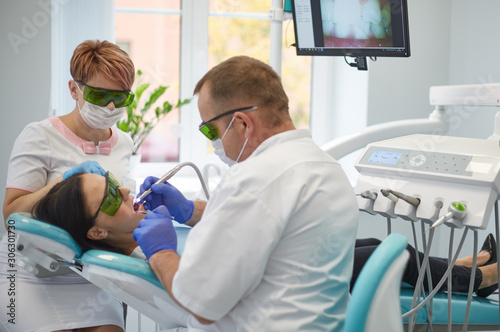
(64, 207)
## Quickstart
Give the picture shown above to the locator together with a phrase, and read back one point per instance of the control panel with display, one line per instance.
(435, 171)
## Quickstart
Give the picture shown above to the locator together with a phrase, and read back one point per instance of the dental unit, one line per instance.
(417, 176)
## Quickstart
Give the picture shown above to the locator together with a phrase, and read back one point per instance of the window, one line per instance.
(175, 42)
(237, 27)
(151, 36)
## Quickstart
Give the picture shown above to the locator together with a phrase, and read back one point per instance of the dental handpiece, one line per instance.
(164, 178)
(387, 193)
(407, 198)
(369, 195)
(171, 173)
(456, 210)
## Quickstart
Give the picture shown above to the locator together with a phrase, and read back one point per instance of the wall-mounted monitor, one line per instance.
(355, 28)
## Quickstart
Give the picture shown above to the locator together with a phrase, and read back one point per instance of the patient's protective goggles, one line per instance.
(112, 197)
(103, 97)
(211, 131)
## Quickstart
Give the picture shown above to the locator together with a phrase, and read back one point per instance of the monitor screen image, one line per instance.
(357, 28)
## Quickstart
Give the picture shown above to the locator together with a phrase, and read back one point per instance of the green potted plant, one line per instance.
(136, 121)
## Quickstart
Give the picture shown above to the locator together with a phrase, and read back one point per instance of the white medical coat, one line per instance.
(274, 248)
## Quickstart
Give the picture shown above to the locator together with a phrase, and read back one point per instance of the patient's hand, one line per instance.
(156, 233)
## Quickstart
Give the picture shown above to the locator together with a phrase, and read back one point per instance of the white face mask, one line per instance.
(219, 148)
(99, 117)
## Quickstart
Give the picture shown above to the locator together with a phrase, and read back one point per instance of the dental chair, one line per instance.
(375, 304)
(46, 250)
(378, 298)
(483, 312)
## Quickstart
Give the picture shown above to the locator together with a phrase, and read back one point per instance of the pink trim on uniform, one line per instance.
(20, 188)
(78, 141)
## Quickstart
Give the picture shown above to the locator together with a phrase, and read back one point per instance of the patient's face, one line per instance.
(120, 226)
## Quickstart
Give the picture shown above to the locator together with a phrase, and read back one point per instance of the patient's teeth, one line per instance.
(359, 19)
(327, 17)
(386, 15)
(362, 30)
(346, 12)
(378, 30)
(371, 12)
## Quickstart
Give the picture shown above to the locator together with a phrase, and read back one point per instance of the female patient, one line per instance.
(99, 214)
(95, 210)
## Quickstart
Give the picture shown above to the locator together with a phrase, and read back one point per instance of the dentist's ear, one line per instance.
(95, 233)
(246, 122)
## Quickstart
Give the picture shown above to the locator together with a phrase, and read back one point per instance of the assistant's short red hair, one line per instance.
(93, 57)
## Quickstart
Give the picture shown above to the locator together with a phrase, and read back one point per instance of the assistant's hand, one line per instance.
(89, 166)
(156, 233)
(179, 206)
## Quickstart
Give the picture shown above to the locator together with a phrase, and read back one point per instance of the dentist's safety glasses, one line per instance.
(211, 131)
(103, 97)
(112, 196)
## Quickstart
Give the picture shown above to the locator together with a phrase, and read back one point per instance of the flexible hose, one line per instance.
(443, 279)
(497, 233)
(418, 285)
(450, 255)
(428, 309)
(471, 282)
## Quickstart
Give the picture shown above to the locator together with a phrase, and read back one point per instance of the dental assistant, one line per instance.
(272, 250)
(51, 150)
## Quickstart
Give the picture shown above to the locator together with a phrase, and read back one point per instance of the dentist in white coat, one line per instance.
(272, 250)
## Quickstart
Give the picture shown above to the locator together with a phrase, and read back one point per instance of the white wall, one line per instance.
(474, 59)
(24, 72)
(399, 87)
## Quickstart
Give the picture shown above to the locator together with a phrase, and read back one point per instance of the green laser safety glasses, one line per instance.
(103, 97)
(211, 131)
(112, 197)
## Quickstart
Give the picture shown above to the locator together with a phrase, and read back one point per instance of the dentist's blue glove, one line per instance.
(88, 166)
(156, 233)
(179, 206)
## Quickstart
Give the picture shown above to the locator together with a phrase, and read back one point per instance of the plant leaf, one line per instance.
(140, 89)
(134, 121)
(154, 97)
(183, 102)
